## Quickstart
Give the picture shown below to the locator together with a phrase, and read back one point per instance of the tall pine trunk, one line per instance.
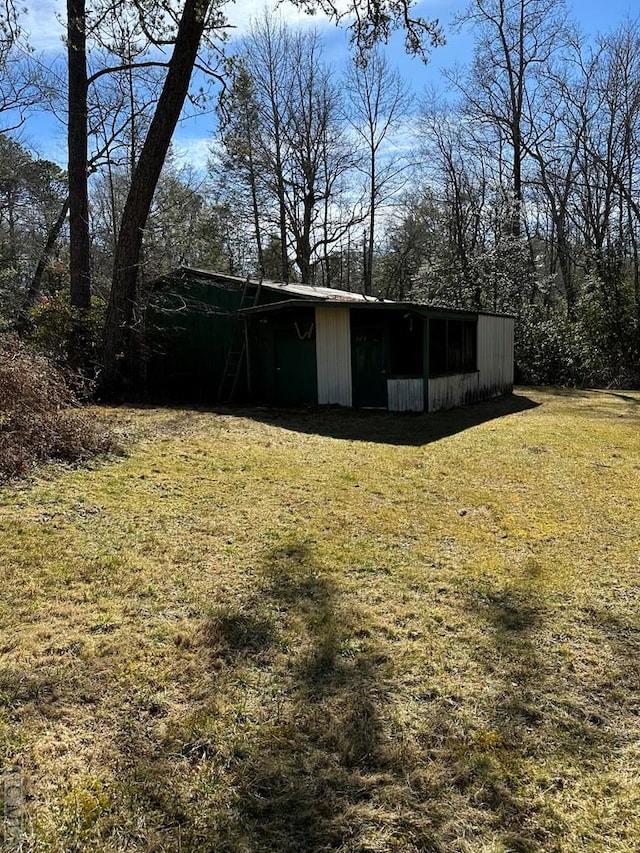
(124, 320)
(79, 244)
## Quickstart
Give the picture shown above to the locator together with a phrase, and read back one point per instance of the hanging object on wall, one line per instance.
(304, 336)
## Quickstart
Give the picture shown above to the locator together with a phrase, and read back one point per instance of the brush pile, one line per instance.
(40, 417)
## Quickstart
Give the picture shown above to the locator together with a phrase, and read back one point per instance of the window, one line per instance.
(437, 346)
(406, 349)
(452, 346)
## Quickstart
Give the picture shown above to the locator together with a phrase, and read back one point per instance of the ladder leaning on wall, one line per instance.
(238, 344)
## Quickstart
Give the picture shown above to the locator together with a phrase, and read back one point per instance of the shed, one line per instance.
(214, 336)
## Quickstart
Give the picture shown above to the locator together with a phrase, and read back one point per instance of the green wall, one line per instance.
(283, 358)
(189, 326)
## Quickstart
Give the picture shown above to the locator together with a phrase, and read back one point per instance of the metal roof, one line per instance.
(319, 295)
(307, 291)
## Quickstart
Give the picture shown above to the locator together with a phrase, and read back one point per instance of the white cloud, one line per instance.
(241, 13)
(41, 21)
(192, 151)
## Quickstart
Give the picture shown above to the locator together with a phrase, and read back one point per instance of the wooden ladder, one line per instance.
(238, 345)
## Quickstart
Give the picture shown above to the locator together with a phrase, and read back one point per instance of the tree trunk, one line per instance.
(303, 236)
(255, 207)
(79, 244)
(122, 339)
(516, 213)
(282, 205)
(52, 236)
(368, 266)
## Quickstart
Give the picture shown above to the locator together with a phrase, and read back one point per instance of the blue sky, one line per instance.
(192, 141)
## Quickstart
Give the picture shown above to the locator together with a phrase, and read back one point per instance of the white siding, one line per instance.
(495, 355)
(405, 395)
(333, 352)
(445, 392)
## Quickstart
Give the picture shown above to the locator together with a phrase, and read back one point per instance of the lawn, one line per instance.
(274, 631)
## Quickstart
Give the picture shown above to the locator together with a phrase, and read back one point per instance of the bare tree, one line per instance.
(21, 80)
(287, 144)
(121, 352)
(460, 173)
(378, 102)
(515, 40)
(319, 153)
(266, 51)
(78, 136)
(607, 213)
(555, 150)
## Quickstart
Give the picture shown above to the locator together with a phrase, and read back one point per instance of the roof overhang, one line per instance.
(395, 307)
(298, 304)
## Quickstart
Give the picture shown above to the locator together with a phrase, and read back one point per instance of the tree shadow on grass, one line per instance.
(296, 748)
(308, 776)
(626, 397)
(488, 768)
(541, 713)
(621, 633)
(290, 750)
(558, 391)
(295, 753)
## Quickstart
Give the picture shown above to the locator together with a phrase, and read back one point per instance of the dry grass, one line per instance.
(39, 416)
(278, 631)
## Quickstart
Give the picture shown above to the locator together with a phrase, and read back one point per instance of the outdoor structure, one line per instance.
(214, 337)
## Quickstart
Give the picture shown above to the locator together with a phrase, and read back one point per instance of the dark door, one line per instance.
(296, 372)
(368, 362)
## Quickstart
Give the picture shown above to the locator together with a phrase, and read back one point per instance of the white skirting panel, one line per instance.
(405, 395)
(458, 389)
(333, 356)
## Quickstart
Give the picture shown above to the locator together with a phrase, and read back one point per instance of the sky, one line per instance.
(44, 23)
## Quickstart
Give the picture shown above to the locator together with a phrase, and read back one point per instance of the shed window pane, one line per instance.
(437, 346)
(452, 346)
(454, 352)
(406, 351)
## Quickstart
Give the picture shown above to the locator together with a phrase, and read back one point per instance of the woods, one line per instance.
(512, 189)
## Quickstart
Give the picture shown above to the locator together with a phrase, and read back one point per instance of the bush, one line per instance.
(545, 350)
(39, 417)
(597, 350)
(68, 336)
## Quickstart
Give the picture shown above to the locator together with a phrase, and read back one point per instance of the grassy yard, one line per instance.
(269, 631)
